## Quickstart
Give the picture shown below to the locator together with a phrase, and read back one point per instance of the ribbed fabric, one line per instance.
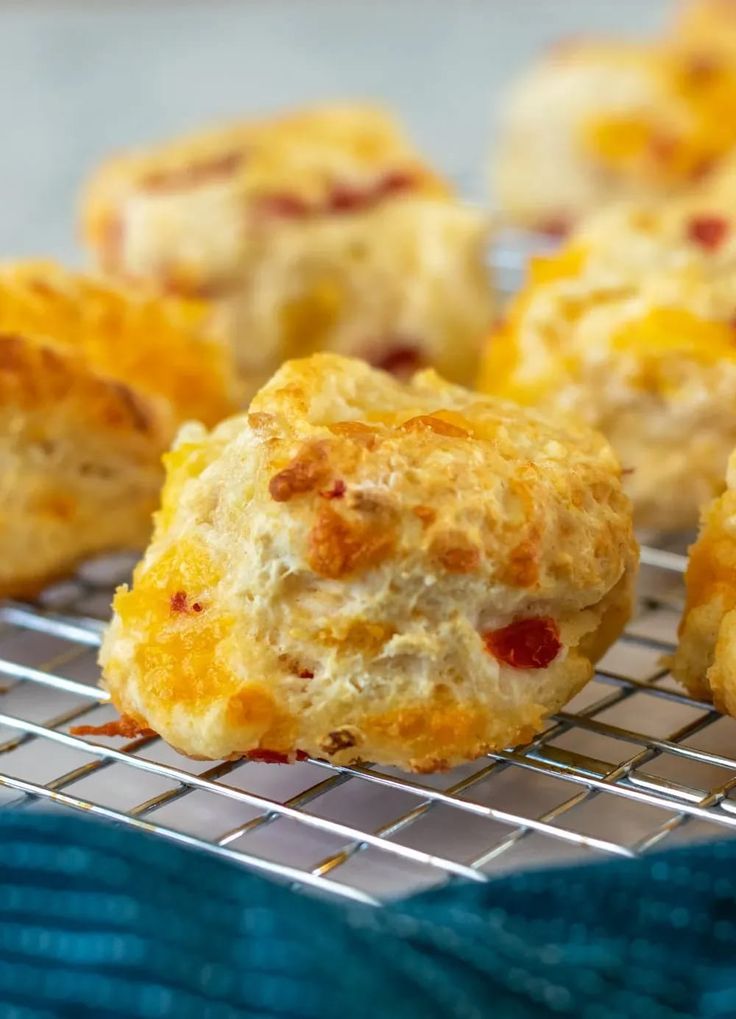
(101, 922)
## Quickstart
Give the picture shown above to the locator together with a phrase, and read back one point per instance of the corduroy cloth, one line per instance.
(97, 921)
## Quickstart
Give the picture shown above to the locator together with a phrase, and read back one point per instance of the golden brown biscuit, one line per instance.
(364, 569)
(596, 121)
(319, 230)
(705, 660)
(631, 327)
(94, 381)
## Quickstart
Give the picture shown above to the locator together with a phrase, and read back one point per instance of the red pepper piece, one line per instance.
(284, 205)
(707, 231)
(264, 756)
(401, 360)
(124, 726)
(397, 180)
(346, 199)
(554, 227)
(179, 602)
(267, 756)
(525, 643)
(335, 491)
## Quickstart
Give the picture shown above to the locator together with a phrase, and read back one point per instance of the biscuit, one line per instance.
(630, 327)
(362, 569)
(94, 381)
(317, 230)
(705, 660)
(598, 121)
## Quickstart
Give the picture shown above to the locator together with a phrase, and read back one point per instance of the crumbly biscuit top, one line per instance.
(352, 470)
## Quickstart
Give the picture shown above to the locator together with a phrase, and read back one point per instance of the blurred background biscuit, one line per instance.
(318, 230)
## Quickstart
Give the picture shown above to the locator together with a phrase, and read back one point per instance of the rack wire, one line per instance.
(631, 763)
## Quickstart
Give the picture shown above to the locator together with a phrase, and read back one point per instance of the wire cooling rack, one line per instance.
(631, 763)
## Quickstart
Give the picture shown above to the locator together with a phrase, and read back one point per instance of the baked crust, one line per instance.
(329, 572)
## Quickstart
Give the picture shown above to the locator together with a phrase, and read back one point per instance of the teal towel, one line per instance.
(97, 922)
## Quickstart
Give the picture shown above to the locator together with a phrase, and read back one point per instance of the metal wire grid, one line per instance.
(632, 761)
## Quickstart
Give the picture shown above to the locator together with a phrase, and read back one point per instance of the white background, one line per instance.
(80, 78)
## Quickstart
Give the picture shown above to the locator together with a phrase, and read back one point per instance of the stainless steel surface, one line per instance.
(631, 763)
